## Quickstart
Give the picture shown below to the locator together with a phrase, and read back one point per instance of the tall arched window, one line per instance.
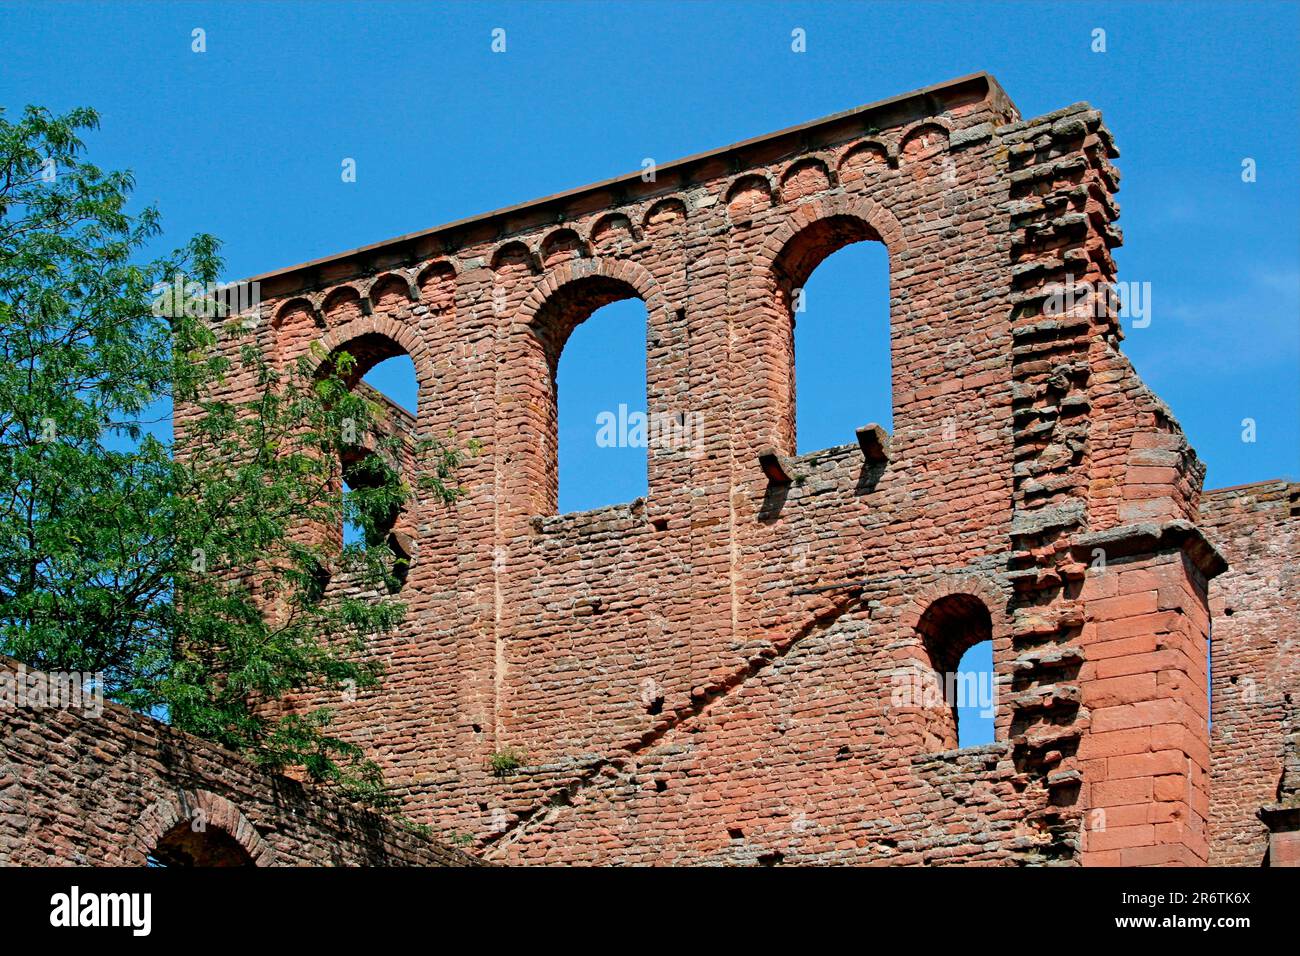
(975, 677)
(393, 380)
(956, 632)
(387, 373)
(832, 283)
(841, 348)
(601, 398)
(592, 420)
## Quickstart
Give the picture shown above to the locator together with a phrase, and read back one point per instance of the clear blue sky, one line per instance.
(246, 141)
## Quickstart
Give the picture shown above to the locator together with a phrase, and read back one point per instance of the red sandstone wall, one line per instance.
(1255, 662)
(704, 676)
(798, 761)
(85, 789)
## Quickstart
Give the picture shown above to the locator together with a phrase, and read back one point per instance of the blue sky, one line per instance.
(247, 139)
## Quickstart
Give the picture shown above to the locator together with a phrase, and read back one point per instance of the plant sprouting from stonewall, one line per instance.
(186, 579)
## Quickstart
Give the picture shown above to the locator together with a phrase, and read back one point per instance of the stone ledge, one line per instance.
(1137, 539)
(1031, 521)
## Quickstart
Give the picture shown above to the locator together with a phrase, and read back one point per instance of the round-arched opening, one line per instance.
(832, 288)
(367, 351)
(956, 632)
(841, 348)
(184, 845)
(601, 418)
(593, 443)
(382, 370)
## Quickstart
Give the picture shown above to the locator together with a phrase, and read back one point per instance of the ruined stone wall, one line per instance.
(709, 674)
(1255, 663)
(80, 787)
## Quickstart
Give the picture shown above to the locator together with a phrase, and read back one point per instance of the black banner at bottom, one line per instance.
(150, 906)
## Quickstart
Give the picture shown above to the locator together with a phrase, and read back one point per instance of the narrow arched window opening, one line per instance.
(601, 398)
(592, 424)
(956, 633)
(975, 702)
(841, 348)
(832, 287)
(386, 374)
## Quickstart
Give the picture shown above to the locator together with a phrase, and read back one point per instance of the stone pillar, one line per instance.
(1145, 754)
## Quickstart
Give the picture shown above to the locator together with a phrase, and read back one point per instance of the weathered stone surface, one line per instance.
(111, 788)
(712, 674)
(1255, 665)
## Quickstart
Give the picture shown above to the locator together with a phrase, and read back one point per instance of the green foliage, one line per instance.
(188, 580)
(506, 761)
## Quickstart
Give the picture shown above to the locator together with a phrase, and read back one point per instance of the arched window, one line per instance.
(593, 421)
(183, 845)
(384, 370)
(956, 632)
(832, 283)
(393, 380)
(841, 348)
(601, 397)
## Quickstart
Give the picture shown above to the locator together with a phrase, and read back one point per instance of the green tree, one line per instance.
(185, 577)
